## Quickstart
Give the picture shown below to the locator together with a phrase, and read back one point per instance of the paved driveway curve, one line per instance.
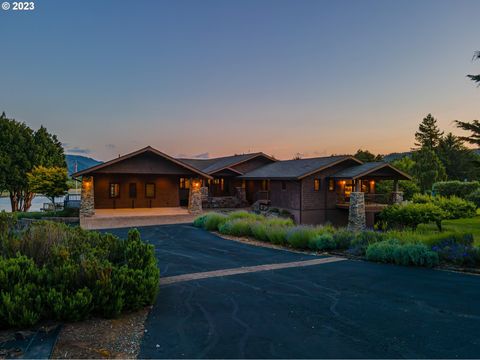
(347, 309)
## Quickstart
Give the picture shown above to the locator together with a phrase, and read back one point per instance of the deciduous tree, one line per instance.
(51, 182)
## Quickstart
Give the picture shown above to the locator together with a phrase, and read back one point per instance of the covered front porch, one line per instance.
(356, 190)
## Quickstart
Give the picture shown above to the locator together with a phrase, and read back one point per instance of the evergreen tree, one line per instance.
(475, 78)
(428, 169)
(367, 156)
(428, 134)
(474, 127)
(458, 160)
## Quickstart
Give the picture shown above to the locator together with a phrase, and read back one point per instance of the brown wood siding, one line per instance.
(285, 199)
(166, 191)
(320, 206)
(252, 164)
(147, 163)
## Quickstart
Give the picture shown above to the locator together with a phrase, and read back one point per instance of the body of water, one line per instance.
(37, 203)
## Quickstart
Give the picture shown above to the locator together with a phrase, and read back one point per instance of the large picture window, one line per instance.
(150, 190)
(114, 190)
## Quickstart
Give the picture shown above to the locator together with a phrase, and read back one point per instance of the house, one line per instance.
(335, 189)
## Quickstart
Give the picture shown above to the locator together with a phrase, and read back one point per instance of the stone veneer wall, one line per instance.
(87, 203)
(195, 200)
(356, 212)
(397, 197)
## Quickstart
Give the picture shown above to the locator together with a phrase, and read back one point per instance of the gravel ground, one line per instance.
(102, 338)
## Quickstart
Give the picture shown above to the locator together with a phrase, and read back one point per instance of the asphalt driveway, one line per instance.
(347, 309)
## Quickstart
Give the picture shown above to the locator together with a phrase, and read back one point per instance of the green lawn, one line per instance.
(471, 225)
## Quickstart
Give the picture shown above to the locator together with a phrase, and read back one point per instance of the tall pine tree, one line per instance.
(428, 134)
(475, 78)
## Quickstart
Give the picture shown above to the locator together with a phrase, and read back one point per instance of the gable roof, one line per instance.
(359, 171)
(211, 166)
(147, 149)
(295, 169)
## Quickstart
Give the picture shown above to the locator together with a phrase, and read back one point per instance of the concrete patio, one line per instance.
(120, 218)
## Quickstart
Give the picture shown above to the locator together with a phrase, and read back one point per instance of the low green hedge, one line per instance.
(67, 212)
(53, 271)
(455, 188)
(392, 251)
(410, 215)
(453, 206)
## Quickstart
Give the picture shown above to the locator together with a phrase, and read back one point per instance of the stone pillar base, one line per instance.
(397, 197)
(195, 200)
(87, 197)
(356, 212)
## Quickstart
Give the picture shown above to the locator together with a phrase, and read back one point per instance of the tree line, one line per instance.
(30, 162)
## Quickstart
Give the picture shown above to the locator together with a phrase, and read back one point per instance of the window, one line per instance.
(265, 185)
(132, 190)
(114, 190)
(149, 190)
(331, 185)
(244, 184)
(316, 184)
(284, 185)
(184, 183)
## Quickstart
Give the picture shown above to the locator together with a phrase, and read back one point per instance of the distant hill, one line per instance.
(83, 162)
(395, 156)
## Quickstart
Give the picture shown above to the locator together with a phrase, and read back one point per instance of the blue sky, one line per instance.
(218, 77)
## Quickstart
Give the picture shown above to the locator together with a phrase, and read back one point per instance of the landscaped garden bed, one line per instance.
(405, 245)
(51, 271)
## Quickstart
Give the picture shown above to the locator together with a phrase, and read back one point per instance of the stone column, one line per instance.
(356, 212)
(397, 197)
(195, 198)
(87, 197)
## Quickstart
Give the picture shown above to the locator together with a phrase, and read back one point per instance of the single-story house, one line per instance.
(314, 190)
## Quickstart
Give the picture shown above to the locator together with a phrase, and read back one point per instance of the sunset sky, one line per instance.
(212, 78)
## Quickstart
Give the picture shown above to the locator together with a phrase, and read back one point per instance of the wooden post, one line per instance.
(358, 185)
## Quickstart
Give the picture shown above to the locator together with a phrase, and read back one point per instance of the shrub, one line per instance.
(245, 215)
(323, 242)
(412, 214)
(200, 221)
(7, 222)
(277, 235)
(213, 221)
(362, 240)
(474, 197)
(300, 236)
(67, 273)
(453, 206)
(259, 231)
(457, 188)
(278, 222)
(392, 251)
(343, 238)
(236, 227)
